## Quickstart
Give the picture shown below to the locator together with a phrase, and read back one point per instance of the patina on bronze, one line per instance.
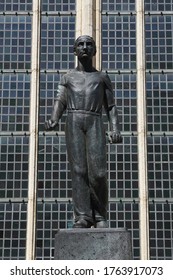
(83, 92)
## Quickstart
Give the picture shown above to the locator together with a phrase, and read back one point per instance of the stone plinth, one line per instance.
(93, 244)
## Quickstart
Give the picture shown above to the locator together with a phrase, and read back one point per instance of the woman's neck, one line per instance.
(85, 65)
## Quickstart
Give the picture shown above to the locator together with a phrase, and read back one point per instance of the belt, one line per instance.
(84, 112)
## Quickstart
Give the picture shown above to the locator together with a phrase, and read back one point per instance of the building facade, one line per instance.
(36, 48)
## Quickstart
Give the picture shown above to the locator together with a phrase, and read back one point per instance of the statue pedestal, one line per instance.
(93, 244)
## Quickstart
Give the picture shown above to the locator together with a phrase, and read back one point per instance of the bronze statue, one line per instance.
(82, 92)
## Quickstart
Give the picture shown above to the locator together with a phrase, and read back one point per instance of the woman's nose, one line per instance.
(84, 46)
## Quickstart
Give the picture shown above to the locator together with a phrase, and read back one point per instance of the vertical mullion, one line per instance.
(98, 32)
(33, 141)
(142, 131)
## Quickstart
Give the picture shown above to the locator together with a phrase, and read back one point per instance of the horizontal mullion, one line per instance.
(119, 13)
(133, 13)
(16, 13)
(159, 13)
(109, 71)
(15, 71)
(69, 200)
(62, 133)
(58, 13)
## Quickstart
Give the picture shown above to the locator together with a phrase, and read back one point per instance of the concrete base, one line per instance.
(93, 244)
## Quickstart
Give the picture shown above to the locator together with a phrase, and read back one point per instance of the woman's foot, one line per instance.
(81, 223)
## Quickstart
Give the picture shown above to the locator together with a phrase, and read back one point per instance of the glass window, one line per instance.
(118, 5)
(159, 102)
(118, 42)
(158, 42)
(159, 167)
(58, 5)
(56, 43)
(13, 230)
(14, 56)
(159, 5)
(15, 100)
(15, 6)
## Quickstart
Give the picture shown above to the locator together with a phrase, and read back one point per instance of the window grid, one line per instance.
(12, 230)
(160, 166)
(158, 5)
(14, 167)
(118, 42)
(161, 231)
(14, 102)
(126, 215)
(54, 179)
(159, 41)
(57, 39)
(50, 218)
(118, 5)
(58, 5)
(159, 102)
(15, 5)
(15, 42)
(123, 169)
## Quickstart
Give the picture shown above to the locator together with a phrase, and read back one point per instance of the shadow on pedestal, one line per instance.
(93, 244)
